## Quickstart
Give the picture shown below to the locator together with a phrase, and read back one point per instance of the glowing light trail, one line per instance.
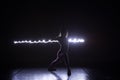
(70, 40)
(35, 42)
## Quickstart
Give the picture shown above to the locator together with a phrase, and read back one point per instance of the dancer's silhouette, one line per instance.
(62, 52)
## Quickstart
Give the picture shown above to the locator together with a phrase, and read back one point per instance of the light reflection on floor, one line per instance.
(43, 74)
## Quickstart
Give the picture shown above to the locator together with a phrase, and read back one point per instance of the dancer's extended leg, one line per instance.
(55, 62)
(67, 64)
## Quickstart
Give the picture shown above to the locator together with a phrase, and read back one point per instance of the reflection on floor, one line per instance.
(43, 74)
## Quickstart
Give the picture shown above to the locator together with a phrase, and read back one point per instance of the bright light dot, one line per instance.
(39, 41)
(43, 40)
(29, 41)
(35, 42)
(26, 41)
(22, 41)
(49, 40)
(15, 42)
(70, 40)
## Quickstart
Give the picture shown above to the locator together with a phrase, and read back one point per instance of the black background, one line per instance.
(92, 20)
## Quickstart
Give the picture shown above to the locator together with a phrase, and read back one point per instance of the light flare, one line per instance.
(76, 40)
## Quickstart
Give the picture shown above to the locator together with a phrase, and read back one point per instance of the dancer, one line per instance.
(62, 52)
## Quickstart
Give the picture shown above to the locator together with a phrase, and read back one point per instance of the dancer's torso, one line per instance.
(63, 44)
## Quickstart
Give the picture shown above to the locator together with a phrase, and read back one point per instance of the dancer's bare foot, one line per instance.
(69, 72)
